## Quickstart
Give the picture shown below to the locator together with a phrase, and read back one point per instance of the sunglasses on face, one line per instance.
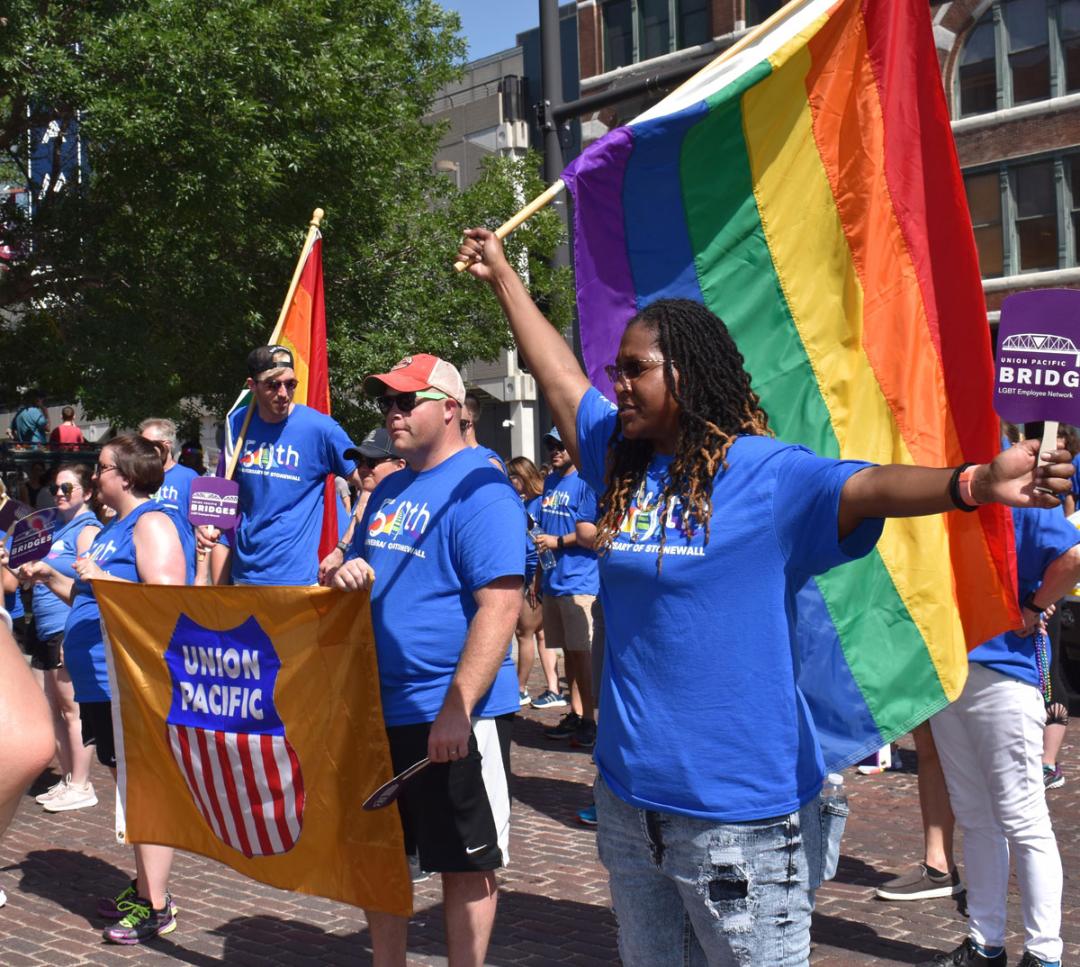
(465, 424)
(371, 463)
(553, 448)
(405, 402)
(631, 369)
(275, 384)
(66, 489)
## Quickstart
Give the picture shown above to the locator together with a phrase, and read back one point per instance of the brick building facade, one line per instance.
(1011, 73)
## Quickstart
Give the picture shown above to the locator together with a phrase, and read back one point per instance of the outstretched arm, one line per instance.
(901, 491)
(549, 358)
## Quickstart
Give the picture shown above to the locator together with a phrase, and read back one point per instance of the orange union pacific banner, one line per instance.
(249, 729)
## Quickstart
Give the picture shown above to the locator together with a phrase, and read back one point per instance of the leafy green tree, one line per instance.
(211, 129)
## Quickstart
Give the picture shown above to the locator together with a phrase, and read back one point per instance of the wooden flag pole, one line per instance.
(551, 193)
(309, 241)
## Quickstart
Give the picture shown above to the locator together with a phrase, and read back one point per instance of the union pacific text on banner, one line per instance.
(249, 729)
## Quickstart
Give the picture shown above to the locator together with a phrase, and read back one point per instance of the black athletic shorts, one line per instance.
(45, 652)
(98, 717)
(456, 815)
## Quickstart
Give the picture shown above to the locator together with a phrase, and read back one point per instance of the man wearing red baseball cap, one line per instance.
(444, 537)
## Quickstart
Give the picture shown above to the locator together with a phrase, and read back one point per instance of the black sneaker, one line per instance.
(921, 882)
(966, 956)
(141, 922)
(1030, 960)
(584, 736)
(567, 726)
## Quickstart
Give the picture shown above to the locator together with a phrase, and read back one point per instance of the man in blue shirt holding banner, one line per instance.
(443, 538)
(286, 453)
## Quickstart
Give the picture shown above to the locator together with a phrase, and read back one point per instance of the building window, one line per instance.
(637, 30)
(1018, 52)
(984, 200)
(758, 11)
(1036, 216)
(1026, 215)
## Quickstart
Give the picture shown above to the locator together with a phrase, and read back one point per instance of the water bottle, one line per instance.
(547, 558)
(834, 814)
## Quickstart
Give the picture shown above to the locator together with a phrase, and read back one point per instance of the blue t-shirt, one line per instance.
(532, 558)
(174, 497)
(575, 569)
(702, 714)
(29, 425)
(12, 599)
(50, 611)
(434, 538)
(1076, 477)
(84, 649)
(491, 455)
(282, 473)
(1042, 536)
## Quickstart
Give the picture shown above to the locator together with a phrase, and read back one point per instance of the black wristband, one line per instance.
(1029, 603)
(560, 544)
(342, 546)
(954, 490)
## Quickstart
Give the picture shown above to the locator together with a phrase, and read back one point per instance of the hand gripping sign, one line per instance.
(1038, 360)
(228, 740)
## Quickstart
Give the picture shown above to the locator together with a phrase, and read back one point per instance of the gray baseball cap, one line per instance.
(375, 446)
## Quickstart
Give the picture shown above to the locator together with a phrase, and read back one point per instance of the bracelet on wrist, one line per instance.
(342, 546)
(560, 544)
(957, 493)
(1029, 603)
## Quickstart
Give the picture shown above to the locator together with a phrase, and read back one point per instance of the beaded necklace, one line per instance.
(1042, 662)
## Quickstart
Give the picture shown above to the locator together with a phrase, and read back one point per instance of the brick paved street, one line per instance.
(553, 907)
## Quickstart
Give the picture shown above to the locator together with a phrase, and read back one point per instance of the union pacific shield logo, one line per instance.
(228, 739)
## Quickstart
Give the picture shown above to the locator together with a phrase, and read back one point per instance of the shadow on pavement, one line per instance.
(843, 934)
(73, 880)
(529, 733)
(264, 939)
(558, 799)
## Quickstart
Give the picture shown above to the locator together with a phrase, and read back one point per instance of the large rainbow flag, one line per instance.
(807, 190)
(302, 330)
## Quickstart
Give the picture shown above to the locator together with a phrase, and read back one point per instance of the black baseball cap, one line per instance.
(268, 357)
(375, 446)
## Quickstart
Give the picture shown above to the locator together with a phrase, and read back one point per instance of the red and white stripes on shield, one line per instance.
(248, 787)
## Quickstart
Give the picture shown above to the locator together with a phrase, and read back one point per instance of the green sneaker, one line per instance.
(140, 922)
(116, 908)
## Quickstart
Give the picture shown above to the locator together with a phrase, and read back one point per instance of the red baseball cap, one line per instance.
(419, 372)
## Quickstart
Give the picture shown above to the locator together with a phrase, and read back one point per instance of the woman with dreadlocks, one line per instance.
(709, 765)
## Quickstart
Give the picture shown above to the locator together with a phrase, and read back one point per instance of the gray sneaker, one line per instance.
(921, 883)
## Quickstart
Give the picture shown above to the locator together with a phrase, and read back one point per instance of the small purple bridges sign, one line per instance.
(32, 537)
(1038, 358)
(215, 502)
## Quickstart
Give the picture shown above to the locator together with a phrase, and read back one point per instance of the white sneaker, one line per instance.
(53, 791)
(3, 898)
(73, 797)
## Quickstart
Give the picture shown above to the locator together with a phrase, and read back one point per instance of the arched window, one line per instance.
(1020, 51)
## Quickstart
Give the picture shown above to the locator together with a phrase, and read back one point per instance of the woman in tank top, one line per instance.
(140, 543)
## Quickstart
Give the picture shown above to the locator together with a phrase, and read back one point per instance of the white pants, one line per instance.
(990, 744)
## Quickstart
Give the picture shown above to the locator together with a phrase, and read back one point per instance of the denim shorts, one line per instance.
(690, 892)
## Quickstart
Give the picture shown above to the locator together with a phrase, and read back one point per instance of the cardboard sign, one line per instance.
(1038, 358)
(215, 502)
(32, 537)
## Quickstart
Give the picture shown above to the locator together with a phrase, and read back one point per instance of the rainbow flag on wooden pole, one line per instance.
(301, 328)
(805, 187)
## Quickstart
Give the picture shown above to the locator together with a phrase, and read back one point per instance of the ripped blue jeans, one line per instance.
(692, 892)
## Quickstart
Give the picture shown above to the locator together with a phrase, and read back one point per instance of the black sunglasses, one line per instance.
(275, 384)
(66, 489)
(371, 462)
(406, 402)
